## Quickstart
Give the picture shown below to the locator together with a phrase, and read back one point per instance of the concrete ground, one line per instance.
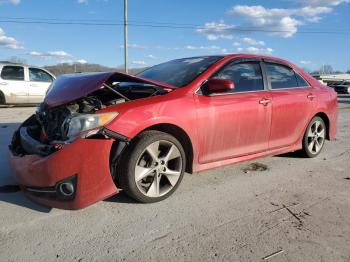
(297, 210)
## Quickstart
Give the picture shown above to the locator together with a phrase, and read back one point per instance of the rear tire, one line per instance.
(2, 98)
(314, 138)
(152, 167)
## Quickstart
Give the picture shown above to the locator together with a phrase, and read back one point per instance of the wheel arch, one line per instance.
(180, 135)
(325, 118)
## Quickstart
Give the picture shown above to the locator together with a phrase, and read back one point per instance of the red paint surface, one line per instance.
(87, 158)
(223, 129)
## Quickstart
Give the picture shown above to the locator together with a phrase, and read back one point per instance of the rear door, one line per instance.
(293, 102)
(39, 82)
(13, 85)
(236, 123)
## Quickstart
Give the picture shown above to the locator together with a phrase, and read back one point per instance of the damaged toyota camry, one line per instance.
(96, 134)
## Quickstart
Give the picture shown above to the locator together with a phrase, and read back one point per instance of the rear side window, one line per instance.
(281, 76)
(38, 75)
(12, 73)
(301, 81)
(246, 76)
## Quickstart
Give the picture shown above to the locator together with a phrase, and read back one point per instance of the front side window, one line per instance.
(12, 73)
(38, 75)
(245, 76)
(281, 76)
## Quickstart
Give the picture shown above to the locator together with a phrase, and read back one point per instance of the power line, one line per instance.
(134, 23)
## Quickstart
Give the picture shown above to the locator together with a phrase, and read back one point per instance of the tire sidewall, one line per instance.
(132, 156)
(306, 150)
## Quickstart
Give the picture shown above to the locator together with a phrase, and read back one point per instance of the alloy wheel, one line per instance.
(316, 137)
(158, 169)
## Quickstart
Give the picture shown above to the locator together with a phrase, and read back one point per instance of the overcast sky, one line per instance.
(307, 32)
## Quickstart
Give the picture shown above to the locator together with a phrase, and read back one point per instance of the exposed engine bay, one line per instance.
(50, 127)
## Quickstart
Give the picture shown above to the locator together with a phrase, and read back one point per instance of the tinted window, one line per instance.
(301, 81)
(12, 73)
(179, 72)
(39, 75)
(281, 76)
(245, 76)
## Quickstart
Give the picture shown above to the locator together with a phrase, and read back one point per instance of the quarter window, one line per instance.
(301, 81)
(245, 76)
(12, 73)
(281, 76)
(38, 75)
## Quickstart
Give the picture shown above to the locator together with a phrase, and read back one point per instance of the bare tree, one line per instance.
(326, 69)
(17, 60)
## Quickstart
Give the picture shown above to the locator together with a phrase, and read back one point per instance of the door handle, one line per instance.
(311, 97)
(265, 101)
(3, 83)
(34, 85)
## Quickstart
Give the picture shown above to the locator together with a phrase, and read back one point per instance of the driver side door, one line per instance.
(235, 123)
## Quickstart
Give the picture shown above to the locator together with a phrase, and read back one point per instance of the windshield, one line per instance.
(179, 72)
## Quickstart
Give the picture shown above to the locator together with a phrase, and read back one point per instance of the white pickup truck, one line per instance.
(22, 84)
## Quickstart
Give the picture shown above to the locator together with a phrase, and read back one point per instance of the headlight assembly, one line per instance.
(81, 123)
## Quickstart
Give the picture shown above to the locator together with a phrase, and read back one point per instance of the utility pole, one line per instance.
(126, 36)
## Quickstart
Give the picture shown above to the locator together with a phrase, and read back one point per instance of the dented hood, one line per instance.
(70, 87)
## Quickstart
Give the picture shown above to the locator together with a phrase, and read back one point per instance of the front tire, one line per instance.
(314, 138)
(152, 167)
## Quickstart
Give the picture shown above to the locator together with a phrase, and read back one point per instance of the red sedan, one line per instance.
(96, 134)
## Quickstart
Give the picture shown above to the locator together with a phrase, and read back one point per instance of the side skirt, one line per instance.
(225, 162)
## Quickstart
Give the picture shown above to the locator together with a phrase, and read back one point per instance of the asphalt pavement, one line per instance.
(281, 208)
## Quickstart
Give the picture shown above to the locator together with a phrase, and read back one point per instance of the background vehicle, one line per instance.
(97, 133)
(22, 84)
(342, 88)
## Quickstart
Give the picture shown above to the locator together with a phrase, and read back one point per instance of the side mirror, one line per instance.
(218, 86)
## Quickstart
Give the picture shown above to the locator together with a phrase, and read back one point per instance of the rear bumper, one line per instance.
(85, 159)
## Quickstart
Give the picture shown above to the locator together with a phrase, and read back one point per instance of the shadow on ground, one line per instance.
(121, 198)
(19, 199)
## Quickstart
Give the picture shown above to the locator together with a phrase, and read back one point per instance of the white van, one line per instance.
(22, 84)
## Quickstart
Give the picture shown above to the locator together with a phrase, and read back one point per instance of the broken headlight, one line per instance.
(80, 123)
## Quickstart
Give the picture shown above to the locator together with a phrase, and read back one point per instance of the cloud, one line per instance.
(138, 62)
(82, 1)
(81, 61)
(50, 54)
(212, 47)
(8, 41)
(305, 62)
(322, 2)
(215, 31)
(152, 57)
(251, 41)
(283, 22)
(13, 2)
(71, 61)
(135, 46)
(255, 50)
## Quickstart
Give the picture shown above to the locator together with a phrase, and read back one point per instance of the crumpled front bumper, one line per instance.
(86, 159)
